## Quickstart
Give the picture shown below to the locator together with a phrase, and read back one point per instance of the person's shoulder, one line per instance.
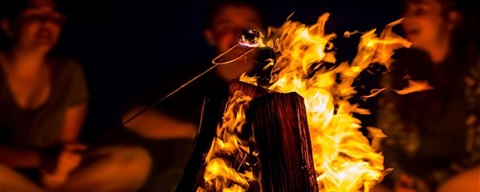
(67, 70)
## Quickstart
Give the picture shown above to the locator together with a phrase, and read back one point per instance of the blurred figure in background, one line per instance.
(172, 125)
(433, 139)
(43, 101)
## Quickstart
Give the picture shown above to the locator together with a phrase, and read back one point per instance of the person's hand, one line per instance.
(407, 183)
(68, 159)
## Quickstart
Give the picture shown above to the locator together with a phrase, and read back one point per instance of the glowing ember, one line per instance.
(345, 160)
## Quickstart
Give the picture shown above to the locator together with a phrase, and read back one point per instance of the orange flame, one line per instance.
(219, 174)
(414, 86)
(344, 158)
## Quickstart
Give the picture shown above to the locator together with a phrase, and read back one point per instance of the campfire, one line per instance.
(298, 133)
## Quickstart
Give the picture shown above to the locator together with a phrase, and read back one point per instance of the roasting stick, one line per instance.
(250, 41)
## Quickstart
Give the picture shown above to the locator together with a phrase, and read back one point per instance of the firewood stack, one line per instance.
(279, 126)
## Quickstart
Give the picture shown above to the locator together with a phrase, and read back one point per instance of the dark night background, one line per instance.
(124, 45)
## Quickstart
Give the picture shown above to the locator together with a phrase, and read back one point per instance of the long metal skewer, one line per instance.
(232, 60)
(144, 109)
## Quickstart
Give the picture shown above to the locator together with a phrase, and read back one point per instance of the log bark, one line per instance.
(281, 134)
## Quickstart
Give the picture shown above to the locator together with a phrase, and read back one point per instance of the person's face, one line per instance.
(37, 27)
(228, 25)
(424, 24)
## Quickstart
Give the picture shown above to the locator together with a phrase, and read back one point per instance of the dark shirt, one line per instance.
(427, 131)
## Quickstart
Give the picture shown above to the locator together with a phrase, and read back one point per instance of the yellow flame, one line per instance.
(374, 92)
(226, 147)
(345, 160)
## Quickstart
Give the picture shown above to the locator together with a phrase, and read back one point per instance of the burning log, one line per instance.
(262, 138)
(281, 133)
(275, 151)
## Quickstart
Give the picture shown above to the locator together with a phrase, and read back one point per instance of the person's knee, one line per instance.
(129, 165)
(467, 181)
(11, 180)
(112, 168)
(135, 160)
(139, 160)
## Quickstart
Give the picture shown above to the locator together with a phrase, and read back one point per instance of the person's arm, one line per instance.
(68, 157)
(154, 124)
(76, 102)
(173, 118)
(73, 122)
(56, 171)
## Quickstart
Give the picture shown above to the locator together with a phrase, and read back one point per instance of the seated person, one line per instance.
(433, 136)
(43, 104)
(174, 122)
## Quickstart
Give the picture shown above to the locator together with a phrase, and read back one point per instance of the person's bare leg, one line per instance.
(468, 181)
(11, 180)
(120, 168)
